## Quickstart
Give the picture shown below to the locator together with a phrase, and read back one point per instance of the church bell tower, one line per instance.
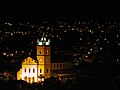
(43, 57)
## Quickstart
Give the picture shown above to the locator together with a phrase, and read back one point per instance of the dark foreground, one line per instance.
(91, 77)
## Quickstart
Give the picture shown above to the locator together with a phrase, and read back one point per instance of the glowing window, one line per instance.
(33, 79)
(29, 79)
(46, 52)
(25, 78)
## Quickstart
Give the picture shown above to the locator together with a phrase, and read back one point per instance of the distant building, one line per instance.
(37, 70)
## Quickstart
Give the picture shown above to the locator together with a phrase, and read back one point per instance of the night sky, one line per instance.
(56, 9)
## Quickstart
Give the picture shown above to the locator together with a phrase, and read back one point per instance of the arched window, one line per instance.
(29, 80)
(51, 66)
(40, 52)
(40, 70)
(25, 70)
(29, 70)
(63, 65)
(46, 70)
(60, 65)
(57, 65)
(33, 70)
(54, 65)
(33, 79)
(46, 52)
(25, 78)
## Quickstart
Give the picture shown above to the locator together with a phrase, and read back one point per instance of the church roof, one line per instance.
(29, 60)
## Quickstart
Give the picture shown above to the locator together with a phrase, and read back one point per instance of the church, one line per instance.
(37, 70)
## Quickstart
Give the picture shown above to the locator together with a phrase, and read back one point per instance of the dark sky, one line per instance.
(39, 8)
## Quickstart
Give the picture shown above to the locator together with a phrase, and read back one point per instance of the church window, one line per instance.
(63, 65)
(46, 70)
(25, 70)
(25, 78)
(33, 79)
(40, 70)
(29, 70)
(40, 52)
(29, 79)
(57, 65)
(60, 65)
(46, 60)
(46, 52)
(33, 70)
(54, 65)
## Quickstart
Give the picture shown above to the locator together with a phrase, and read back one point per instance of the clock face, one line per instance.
(40, 60)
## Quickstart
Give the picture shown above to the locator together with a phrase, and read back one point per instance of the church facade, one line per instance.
(37, 70)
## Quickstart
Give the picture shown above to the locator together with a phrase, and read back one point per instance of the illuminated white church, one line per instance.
(42, 68)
